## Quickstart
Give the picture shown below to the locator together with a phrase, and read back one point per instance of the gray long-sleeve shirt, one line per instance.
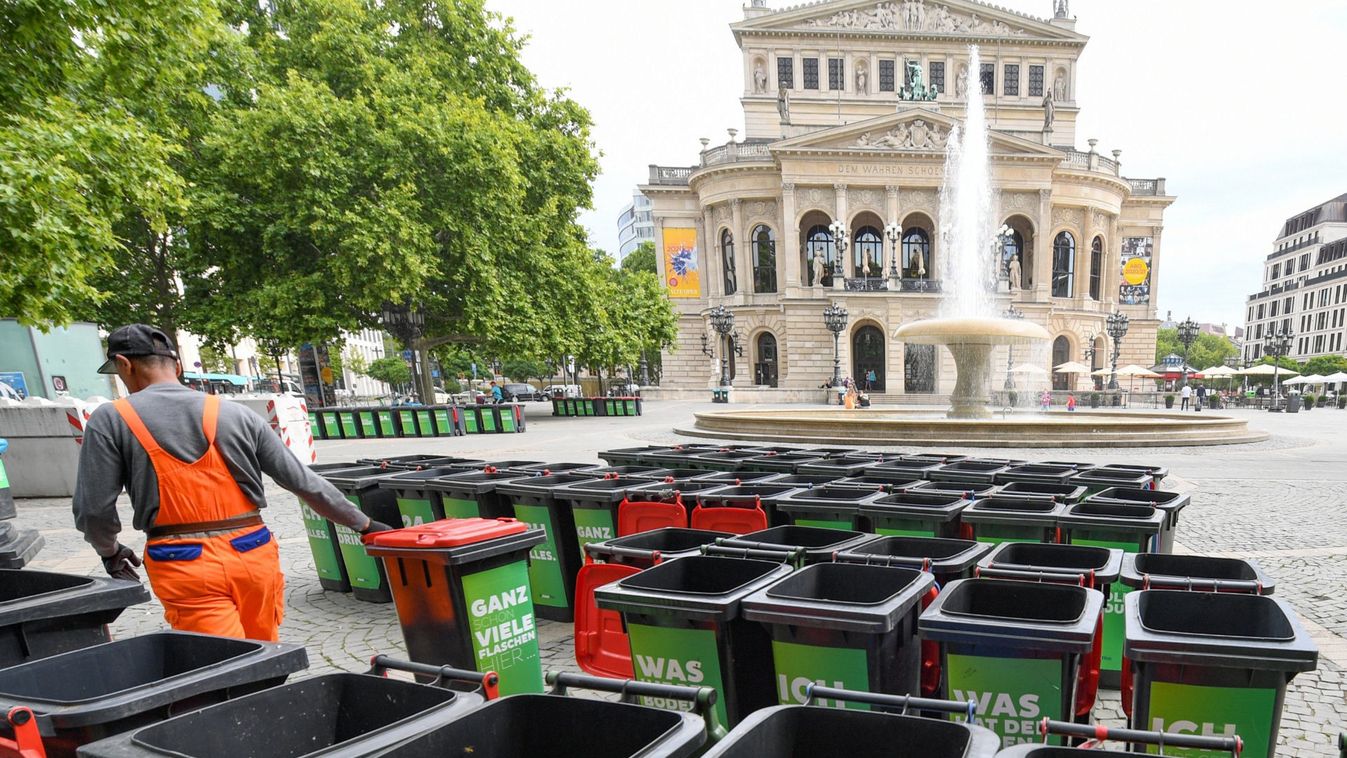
(112, 458)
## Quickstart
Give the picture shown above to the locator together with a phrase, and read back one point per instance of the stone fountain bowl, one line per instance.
(970, 341)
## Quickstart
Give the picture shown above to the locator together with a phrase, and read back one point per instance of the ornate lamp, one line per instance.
(1117, 329)
(722, 320)
(835, 318)
(894, 233)
(1187, 334)
(1011, 313)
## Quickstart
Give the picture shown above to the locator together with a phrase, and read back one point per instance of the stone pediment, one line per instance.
(943, 18)
(914, 130)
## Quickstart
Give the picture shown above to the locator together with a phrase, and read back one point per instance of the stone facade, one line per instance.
(842, 125)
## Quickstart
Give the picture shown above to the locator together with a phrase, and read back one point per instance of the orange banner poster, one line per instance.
(680, 263)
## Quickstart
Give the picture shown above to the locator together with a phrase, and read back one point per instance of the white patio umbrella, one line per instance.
(1028, 368)
(1132, 371)
(1101, 372)
(1267, 369)
(1313, 379)
(1216, 371)
(1072, 367)
(1336, 378)
(1294, 381)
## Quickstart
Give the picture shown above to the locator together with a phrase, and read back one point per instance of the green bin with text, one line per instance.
(369, 424)
(322, 535)
(1015, 648)
(686, 627)
(916, 514)
(464, 598)
(386, 422)
(1129, 528)
(827, 506)
(418, 503)
(474, 494)
(361, 488)
(554, 562)
(594, 502)
(1212, 663)
(999, 518)
(1169, 502)
(843, 625)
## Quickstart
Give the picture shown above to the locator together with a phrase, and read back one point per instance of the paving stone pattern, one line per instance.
(1280, 501)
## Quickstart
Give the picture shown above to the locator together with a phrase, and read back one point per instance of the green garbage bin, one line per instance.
(1037, 473)
(846, 625)
(425, 422)
(1015, 646)
(810, 544)
(473, 494)
(386, 423)
(780, 463)
(917, 513)
(349, 423)
(827, 506)
(886, 482)
(406, 421)
(946, 559)
(1215, 659)
(464, 598)
(970, 491)
(1065, 493)
(968, 472)
(554, 562)
(1097, 480)
(1169, 502)
(331, 423)
(840, 466)
(1000, 519)
(1195, 573)
(361, 487)
(593, 505)
(446, 420)
(673, 490)
(316, 426)
(687, 628)
(417, 502)
(321, 533)
(369, 425)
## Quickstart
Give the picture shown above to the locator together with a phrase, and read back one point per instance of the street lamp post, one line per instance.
(840, 241)
(894, 233)
(406, 322)
(1187, 333)
(835, 318)
(1090, 352)
(722, 320)
(1011, 313)
(1003, 236)
(1277, 345)
(1117, 329)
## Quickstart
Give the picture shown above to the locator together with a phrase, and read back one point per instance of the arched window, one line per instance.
(916, 254)
(764, 259)
(868, 246)
(1063, 265)
(727, 261)
(820, 245)
(765, 370)
(1061, 353)
(1012, 245)
(1096, 267)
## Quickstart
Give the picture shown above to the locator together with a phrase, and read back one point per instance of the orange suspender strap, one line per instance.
(210, 417)
(138, 428)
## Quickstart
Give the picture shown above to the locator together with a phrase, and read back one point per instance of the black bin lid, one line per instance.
(1216, 629)
(845, 597)
(1115, 517)
(699, 587)
(938, 555)
(1195, 572)
(1014, 614)
(1047, 560)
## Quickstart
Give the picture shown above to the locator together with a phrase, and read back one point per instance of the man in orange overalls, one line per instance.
(192, 466)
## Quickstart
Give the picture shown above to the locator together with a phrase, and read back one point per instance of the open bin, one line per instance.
(545, 469)
(840, 466)
(686, 627)
(44, 613)
(534, 726)
(918, 513)
(332, 715)
(1017, 644)
(804, 480)
(783, 543)
(909, 468)
(630, 456)
(421, 462)
(638, 471)
(1097, 480)
(1096, 735)
(968, 491)
(1198, 573)
(678, 456)
(738, 477)
(850, 625)
(418, 503)
(946, 559)
(885, 482)
(827, 506)
(968, 472)
(1037, 473)
(361, 487)
(593, 504)
(554, 562)
(1157, 473)
(749, 495)
(721, 460)
(832, 726)
(1066, 493)
(1213, 658)
(1000, 519)
(85, 695)
(781, 462)
(1169, 502)
(462, 592)
(473, 494)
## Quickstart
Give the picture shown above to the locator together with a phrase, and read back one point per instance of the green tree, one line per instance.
(635, 316)
(641, 259)
(214, 359)
(390, 370)
(521, 370)
(1206, 351)
(1323, 365)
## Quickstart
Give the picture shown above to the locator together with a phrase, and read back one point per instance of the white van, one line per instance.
(563, 390)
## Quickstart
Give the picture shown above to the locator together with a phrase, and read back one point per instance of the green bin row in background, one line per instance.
(415, 421)
(596, 406)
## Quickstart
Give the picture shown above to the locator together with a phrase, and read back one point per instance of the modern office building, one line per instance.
(1304, 285)
(634, 226)
(848, 105)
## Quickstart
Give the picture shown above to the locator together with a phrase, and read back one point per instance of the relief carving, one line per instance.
(918, 198)
(913, 135)
(915, 16)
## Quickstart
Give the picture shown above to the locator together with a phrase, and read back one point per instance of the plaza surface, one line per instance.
(1280, 501)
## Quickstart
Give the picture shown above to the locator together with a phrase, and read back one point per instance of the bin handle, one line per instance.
(1057, 577)
(729, 502)
(1192, 584)
(793, 557)
(703, 699)
(905, 702)
(599, 550)
(489, 681)
(1098, 733)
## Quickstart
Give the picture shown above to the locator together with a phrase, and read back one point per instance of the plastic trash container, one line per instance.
(593, 504)
(828, 729)
(85, 695)
(1095, 735)
(1213, 658)
(887, 482)
(833, 452)
(534, 726)
(946, 559)
(781, 462)
(1000, 519)
(906, 468)
(738, 476)
(844, 625)
(332, 715)
(1014, 647)
(750, 495)
(1157, 473)
(782, 543)
(630, 456)
(636, 470)
(421, 462)
(1077, 465)
(322, 536)
(686, 628)
(554, 562)
(827, 506)
(969, 491)
(677, 456)
(1197, 573)
(463, 596)
(361, 487)
(1097, 480)
(721, 460)
(917, 513)
(509, 466)
(417, 502)
(544, 469)
(840, 466)
(1036, 473)
(804, 480)
(44, 613)
(1169, 502)
(1065, 493)
(472, 494)
(968, 472)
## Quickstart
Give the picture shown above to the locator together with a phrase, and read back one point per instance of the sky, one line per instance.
(1239, 104)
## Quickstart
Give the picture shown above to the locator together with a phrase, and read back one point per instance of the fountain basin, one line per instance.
(970, 341)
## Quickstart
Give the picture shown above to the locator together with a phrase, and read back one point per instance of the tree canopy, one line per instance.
(641, 259)
(1206, 351)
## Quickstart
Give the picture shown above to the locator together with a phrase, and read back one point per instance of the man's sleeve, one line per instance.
(98, 485)
(282, 465)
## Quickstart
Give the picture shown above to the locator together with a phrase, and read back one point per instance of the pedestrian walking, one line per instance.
(193, 467)
(1184, 395)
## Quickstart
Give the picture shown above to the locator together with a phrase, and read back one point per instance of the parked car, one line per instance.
(562, 390)
(624, 389)
(518, 393)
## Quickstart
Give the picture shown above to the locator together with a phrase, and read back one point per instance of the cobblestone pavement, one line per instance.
(1280, 501)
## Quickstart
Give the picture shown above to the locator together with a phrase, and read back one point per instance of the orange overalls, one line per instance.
(210, 560)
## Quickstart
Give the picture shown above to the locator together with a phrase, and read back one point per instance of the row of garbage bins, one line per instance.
(415, 421)
(596, 406)
(198, 696)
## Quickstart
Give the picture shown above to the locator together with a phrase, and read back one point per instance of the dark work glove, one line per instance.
(375, 526)
(122, 564)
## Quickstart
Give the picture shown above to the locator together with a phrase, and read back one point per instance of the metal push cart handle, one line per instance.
(794, 557)
(489, 682)
(1097, 734)
(1079, 578)
(1192, 584)
(702, 699)
(903, 702)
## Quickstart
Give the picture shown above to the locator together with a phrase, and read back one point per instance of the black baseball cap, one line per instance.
(136, 340)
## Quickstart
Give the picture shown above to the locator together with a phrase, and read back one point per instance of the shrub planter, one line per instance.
(1169, 401)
